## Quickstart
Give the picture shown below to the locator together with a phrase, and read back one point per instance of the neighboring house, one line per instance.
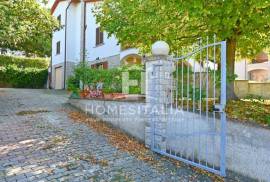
(258, 70)
(79, 38)
(8, 52)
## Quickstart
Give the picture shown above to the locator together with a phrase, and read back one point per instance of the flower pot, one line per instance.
(108, 96)
(118, 96)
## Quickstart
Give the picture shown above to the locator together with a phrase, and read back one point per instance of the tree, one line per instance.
(244, 24)
(27, 26)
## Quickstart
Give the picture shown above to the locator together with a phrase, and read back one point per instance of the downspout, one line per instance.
(51, 64)
(50, 76)
(84, 36)
(84, 31)
(65, 59)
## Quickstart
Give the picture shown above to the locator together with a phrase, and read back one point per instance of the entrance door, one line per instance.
(58, 78)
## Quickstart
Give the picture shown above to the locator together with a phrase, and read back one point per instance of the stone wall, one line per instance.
(127, 116)
(244, 88)
(247, 150)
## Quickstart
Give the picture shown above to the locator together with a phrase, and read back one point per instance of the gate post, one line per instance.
(159, 86)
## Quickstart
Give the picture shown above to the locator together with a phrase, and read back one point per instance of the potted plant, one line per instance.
(107, 93)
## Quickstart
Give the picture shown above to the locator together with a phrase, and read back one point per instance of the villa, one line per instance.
(80, 38)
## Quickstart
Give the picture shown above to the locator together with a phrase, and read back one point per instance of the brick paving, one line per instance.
(38, 142)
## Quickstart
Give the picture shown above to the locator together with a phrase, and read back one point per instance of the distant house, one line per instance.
(8, 52)
(257, 70)
(80, 38)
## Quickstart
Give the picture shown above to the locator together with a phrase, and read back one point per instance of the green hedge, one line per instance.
(23, 62)
(23, 72)
(111, 78)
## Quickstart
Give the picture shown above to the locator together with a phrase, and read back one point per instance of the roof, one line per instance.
(56, 2)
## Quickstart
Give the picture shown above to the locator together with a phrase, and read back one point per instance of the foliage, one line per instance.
(23, 72)
(23, 62)
(27, 26)
(111, 78)
(246, 110)
(12, 75)
(73, 85)
(255, 98)
(180, 23)
(243, 24)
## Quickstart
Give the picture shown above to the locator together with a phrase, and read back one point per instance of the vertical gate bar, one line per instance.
(176, 85)
(171, 109)
(182, 95)
(176, 100)
(200, 101)
(223, 113)
(194, 85)
(207, 96)
(214, 96)
(193, 105)
(187, 85)
(214, 84)
(182, 90)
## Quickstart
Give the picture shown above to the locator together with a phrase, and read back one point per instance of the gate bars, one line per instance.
(196, 121)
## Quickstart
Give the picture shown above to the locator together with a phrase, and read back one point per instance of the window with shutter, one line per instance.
(99, 36)
(59, 20)
(58, 47)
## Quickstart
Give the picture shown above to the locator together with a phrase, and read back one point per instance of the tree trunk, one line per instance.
(231, 49)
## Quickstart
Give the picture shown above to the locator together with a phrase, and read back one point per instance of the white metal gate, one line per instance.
(196, 122)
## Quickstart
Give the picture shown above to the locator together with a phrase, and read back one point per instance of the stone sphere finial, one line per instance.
(160, 48)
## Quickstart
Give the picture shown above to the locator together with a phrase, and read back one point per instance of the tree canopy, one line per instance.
(27, 26)
(142, 22)
(244, 24)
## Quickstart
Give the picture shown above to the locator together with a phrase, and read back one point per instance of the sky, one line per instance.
(50, 3)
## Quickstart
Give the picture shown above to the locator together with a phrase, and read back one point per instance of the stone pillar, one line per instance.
(159, 79)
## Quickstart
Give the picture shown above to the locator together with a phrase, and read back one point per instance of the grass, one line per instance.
(30, 112)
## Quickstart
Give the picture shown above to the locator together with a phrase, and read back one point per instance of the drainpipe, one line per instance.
(84, 37)
(84, 31)
(50, 76)
(65, 58)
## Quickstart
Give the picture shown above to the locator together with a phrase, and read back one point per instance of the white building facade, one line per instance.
(257, 70)
(80, 38)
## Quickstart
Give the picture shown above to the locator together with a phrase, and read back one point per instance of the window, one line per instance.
(59, 20)
(58, 47)
(102, 65)
(99, 36)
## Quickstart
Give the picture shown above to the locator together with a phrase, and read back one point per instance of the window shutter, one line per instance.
(105, 65)
(97, 36)
(58, 47)
(101, 37)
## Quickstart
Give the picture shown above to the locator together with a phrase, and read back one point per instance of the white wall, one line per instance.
(59, 35)
(74, 32)
(110, 47)
(241, 70)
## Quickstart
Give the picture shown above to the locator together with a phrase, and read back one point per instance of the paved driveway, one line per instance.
(38, 142)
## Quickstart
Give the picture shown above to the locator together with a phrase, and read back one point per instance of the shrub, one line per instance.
(23, 72)
(23, 62)
(23, 77)
(111, 78)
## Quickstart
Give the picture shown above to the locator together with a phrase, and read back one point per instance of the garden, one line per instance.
(102, 83)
